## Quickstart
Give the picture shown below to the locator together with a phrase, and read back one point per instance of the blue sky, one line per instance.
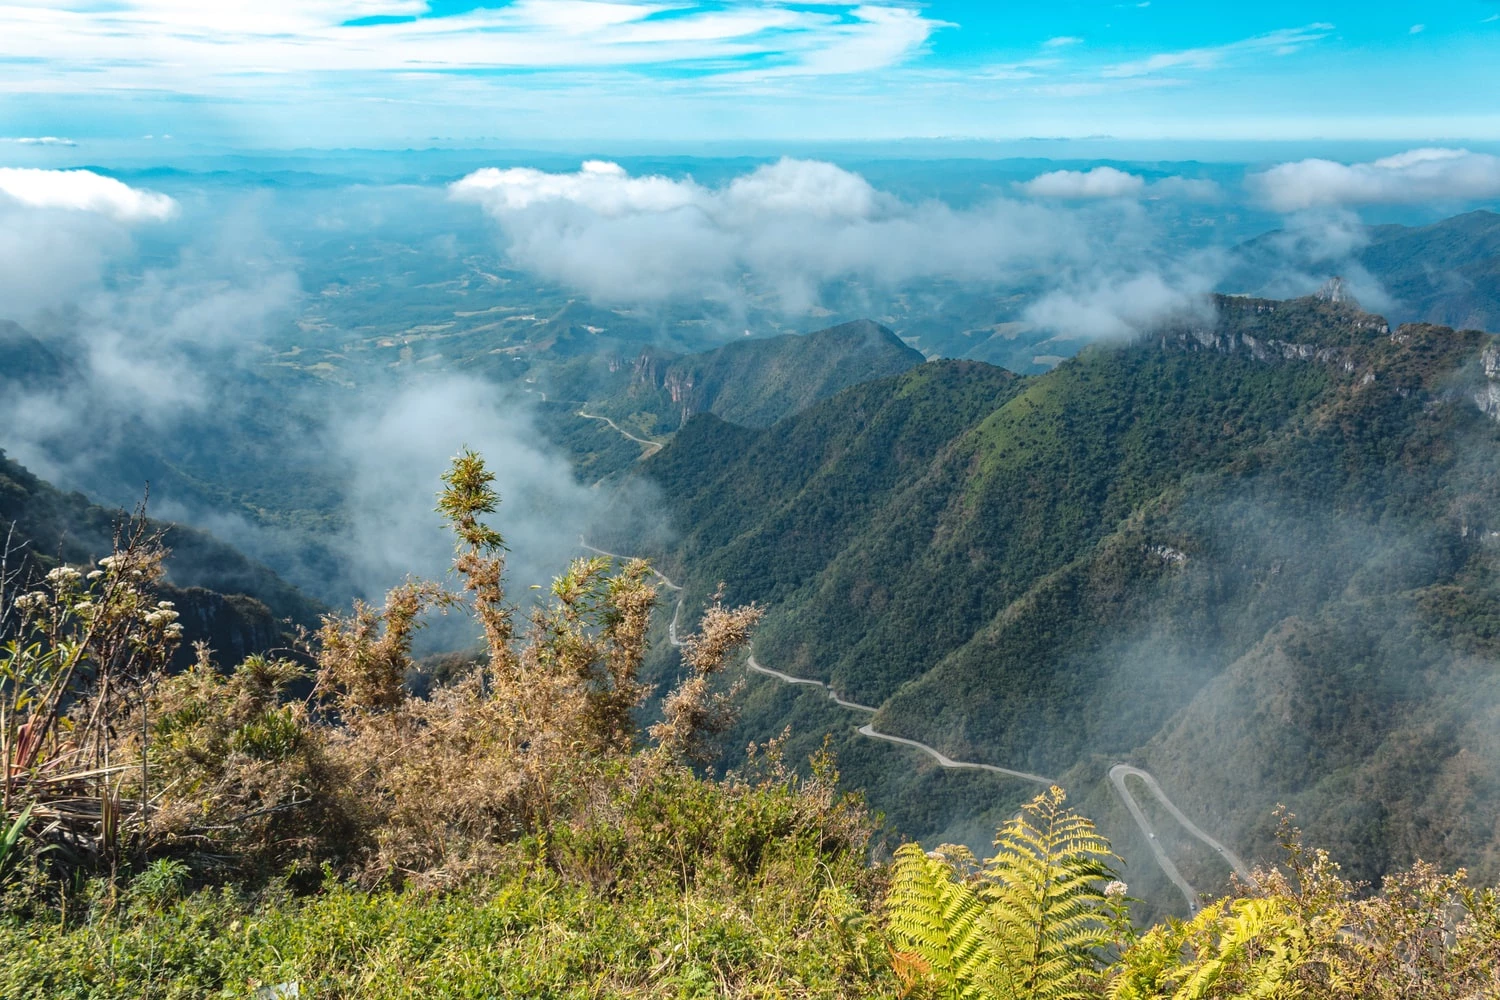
(280, 73)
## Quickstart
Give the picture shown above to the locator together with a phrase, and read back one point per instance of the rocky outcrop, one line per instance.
(234, 626)
(1487, 395)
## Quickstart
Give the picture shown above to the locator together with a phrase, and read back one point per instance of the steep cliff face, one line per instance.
(1487, 394)
(233, 625)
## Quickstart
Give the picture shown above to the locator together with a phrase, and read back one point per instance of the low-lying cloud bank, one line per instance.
(785, 230)
(159, 362)
(788, 227)
(1414, 177)
(1100, 182)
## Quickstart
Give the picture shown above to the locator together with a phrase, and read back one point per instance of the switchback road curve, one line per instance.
(652, 446)
(1117, 774)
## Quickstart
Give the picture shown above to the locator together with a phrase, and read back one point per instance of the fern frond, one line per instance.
(1241, 948)
(1044, 895)
(938, 920)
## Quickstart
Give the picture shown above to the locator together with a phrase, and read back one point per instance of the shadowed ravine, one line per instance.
(1117, 774)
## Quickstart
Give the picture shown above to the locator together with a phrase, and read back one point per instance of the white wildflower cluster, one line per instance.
(164, 618)
(163, 614)
(32, 603)
(1116, 890)
(122, 565)
(64, 577)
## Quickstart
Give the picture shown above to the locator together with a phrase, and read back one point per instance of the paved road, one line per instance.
(946, 761)
(1117, 773)
(652, 446)
(1117, 776)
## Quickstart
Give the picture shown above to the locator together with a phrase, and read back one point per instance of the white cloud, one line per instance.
(240, 45)
(788, 227)
(1418, 175)
(393, 448)
(1061, 41)
(1100, 182)
(601, 186)
(42, 140)
(84, 191)
(1282, 42)
(1417, 29)
(1117, 307)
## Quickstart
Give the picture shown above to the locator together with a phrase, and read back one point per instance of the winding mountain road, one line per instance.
(1117, 774)
(653, 446)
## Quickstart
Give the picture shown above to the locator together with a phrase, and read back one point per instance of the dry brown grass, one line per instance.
(231, 770)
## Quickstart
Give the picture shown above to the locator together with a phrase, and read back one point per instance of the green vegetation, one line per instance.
(514, 833)
(752, 382)
(236, 605)
(1256, 558)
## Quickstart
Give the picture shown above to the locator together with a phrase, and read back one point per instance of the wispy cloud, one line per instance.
(238, 44)
(1279, 43)
(1061, 41)
(1417, 29)
(40, 140)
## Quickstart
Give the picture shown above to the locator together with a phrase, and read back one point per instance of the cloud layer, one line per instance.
(1100, 182)
(788, 229)
(1416, 176)
(83, 191)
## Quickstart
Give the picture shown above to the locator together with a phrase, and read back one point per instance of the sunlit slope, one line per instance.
(753, 381)
(1079, 563)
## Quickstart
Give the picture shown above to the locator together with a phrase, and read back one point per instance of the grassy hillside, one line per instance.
(1110, 561)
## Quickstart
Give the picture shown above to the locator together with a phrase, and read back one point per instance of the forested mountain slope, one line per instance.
(236, 604)
(754, 382)
(1447, 272)
(1258, 556)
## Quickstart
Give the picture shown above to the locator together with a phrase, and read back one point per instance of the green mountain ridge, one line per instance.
(1057, 571)
(1447, 272)
(232, 602)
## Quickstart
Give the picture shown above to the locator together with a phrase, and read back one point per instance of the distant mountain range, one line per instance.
(1258, 557)
(752, 382)
(1447, 272)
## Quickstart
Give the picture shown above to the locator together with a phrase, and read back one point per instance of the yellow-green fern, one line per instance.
(1024, 926)
(1240, 948)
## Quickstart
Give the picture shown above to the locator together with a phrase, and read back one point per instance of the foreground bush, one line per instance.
(682, 887)
(1044, 920)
